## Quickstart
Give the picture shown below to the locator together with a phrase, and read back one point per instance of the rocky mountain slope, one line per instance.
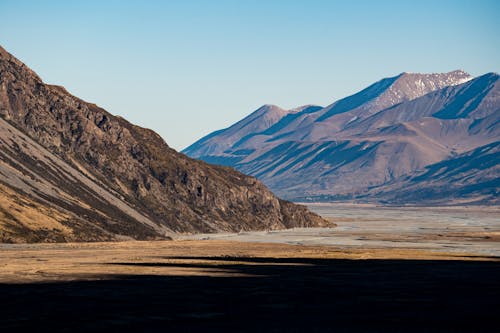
(385, 134)
(70, 171)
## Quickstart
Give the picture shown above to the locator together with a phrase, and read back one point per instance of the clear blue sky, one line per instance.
(186, 68)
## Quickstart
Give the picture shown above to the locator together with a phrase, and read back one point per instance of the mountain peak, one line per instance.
(459, 72)
(269, 108)
(408, 86)
(258, 121)
(393, 90)
(449, 78)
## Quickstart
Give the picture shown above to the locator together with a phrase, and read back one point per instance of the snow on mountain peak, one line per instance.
(409, 86)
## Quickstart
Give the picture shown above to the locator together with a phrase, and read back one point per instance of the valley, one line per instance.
(258, 166)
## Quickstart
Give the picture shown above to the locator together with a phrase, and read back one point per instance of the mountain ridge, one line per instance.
(110, 179)
(371, 138)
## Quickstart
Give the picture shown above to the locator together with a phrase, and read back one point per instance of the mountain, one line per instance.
(70, 171)
(259, 121)
(385, 134)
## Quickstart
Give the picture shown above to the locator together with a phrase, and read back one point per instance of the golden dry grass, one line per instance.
(17, 211)
(27, 263)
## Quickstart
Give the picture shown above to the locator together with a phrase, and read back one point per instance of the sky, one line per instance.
(187, 68)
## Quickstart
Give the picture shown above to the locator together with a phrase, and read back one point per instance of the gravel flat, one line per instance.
(466, 230)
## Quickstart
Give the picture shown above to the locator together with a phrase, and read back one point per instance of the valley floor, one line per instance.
(378, 279)
(464, 230)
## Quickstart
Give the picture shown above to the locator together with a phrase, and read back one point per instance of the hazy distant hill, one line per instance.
(72, 171)
(385, 134)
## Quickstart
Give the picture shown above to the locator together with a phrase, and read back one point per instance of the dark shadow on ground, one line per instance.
(320, 296)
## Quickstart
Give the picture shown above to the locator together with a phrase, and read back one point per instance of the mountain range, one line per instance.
(70, 171)
(408, 139)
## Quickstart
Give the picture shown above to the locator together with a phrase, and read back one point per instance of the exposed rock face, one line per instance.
(366, 144)
(99, 177)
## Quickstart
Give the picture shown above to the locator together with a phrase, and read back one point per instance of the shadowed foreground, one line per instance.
(265, 294)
